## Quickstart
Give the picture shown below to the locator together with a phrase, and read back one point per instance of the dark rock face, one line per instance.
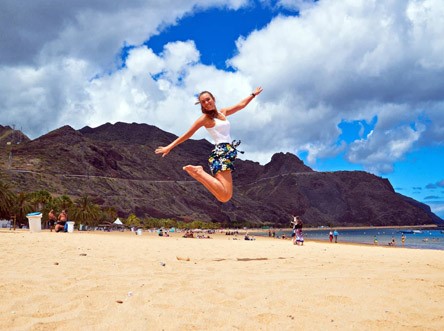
(116, 165)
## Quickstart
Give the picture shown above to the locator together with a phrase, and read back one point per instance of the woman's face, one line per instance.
(207, 102)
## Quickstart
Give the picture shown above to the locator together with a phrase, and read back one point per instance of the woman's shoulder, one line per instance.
(205, 121)
(223, 111)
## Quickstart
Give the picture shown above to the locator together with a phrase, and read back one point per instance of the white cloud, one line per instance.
(356, 59)
(88, 29)
(297, 4)
(437, 207)
(382, 148)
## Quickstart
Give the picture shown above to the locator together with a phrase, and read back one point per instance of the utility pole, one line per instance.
(10, 144)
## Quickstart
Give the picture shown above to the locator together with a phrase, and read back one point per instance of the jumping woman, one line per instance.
(221, 159)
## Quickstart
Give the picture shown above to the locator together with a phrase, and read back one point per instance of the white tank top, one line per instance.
(220, 132)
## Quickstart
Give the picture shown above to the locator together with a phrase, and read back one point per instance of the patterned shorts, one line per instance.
(222, 158)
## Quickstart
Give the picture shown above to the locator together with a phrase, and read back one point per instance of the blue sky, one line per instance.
(348, 85)
(215, 31)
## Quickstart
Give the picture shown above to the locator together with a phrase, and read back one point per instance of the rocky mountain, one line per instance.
(116, 165)
(10, 136)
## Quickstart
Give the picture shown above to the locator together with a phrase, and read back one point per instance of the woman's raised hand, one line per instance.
(162, 150)
(258, 90)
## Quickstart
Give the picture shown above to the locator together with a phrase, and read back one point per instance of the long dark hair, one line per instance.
(211, 113)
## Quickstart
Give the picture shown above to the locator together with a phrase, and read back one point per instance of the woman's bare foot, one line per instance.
(194, 171)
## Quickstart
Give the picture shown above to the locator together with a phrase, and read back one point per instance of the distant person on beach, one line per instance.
(298, 238)
(221, 159)
(188, 234)
(248, 237)
(61, 221)
(393, 242)
(293, 231)
(330, 236)
(52, 219)
(403, 239)
(336, 234)
(375, 241)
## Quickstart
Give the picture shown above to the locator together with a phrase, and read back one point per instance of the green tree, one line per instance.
(132, 220)
(196, 225)
(40, 199)
(22, 206)
(109, 214)
(7, 199)
(85, 212)
(62, 202)
(169, 223)
(182, 225)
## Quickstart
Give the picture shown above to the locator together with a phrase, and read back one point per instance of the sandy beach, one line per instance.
(121, 281)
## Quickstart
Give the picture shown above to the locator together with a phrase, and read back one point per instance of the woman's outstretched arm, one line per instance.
(164, 150)
(241, 105)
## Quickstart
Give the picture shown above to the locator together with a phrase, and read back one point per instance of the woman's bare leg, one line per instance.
(221, 185)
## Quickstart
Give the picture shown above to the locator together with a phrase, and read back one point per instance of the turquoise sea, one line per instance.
(415, 238)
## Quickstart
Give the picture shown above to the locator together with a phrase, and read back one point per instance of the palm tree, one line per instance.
(62, 202)
(109, 214)
(85, 212)
(40, 199)
(7, 198)
(22, 206)
(132, 220)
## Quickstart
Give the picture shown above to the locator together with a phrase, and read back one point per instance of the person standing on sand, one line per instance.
(220, 183)
(299, 234)
(336, 234)
(52, 219)
(298, 238)
(293, 232)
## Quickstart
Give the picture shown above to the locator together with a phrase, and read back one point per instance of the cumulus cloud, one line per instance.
(387, 143)
(149, 87)
(297, 5)
(366, 61)
(90, 29)
(437, 207)
(60, 61)
(350, 60)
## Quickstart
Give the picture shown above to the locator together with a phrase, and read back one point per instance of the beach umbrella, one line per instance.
(118, 221)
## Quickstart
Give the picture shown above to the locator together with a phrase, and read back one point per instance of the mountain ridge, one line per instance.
(116, 165)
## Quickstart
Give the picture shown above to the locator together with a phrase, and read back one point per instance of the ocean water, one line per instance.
(424, 239)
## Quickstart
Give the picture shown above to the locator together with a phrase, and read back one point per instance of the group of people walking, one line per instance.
(298, 237)
(333, 234)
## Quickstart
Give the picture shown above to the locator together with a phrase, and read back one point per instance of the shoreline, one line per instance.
(429, 238)
(426, 226)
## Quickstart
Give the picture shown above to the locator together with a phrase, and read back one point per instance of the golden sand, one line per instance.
(121, 281)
